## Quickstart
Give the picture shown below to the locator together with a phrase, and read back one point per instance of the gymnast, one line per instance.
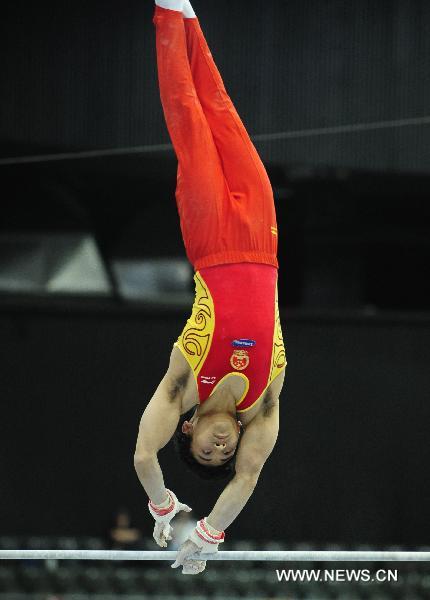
(219, 398)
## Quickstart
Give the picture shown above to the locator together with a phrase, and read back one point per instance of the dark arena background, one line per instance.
(95, 288)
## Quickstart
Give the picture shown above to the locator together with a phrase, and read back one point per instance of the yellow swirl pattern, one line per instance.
(279, 358)
(196, 338)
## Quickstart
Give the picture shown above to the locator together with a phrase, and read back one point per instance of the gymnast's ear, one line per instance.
(187, 428)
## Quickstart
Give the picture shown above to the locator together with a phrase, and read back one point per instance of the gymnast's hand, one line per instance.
(163, 514)
(189, 567)
(203, 539)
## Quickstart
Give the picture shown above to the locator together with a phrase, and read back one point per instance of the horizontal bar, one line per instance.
(243, 555)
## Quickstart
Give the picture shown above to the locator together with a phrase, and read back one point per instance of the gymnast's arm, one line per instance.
(157, 426)
(255, 447)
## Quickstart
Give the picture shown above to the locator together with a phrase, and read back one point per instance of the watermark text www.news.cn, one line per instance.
(337, 575)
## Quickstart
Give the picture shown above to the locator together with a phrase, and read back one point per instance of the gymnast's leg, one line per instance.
(240, 158)
(201, 188)
(247, 179)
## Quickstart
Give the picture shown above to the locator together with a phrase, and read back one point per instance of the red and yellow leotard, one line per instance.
(227, 215)
(235, 329)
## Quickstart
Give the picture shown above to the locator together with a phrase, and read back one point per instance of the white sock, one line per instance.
(171, 4)
(188, 11)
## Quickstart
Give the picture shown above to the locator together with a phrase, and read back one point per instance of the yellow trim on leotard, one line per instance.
(279, 358)
(196, 338)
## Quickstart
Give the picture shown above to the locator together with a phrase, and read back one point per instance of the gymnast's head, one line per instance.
(208, 443)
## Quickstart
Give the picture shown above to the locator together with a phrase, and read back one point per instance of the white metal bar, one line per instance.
(242, 555)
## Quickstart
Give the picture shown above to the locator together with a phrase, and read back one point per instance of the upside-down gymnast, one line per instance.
(228, 365)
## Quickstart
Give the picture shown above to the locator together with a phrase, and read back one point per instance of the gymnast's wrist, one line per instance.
(165, 507)
(164, 504)
(206, 537)
(212, 530)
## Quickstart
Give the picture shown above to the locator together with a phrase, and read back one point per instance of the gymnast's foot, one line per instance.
(188, 11)
(183, 6)
(171, 4)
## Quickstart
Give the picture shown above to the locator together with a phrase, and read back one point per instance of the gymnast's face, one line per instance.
(214, 438)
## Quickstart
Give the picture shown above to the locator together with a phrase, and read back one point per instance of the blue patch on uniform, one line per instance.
(243, 343)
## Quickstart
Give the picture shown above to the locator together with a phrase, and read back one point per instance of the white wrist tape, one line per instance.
(166, 514)
(206, 537)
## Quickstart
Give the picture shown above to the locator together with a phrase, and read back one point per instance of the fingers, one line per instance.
(185, 507)
(167, 532)
(177, 563)
(162, 534)
(187, 549)
(158, 537)
(193, 567)
(180, 558)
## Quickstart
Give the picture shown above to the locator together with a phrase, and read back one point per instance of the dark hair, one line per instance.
(182, 445)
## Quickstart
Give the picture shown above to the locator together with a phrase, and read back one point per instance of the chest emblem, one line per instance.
(239, 360)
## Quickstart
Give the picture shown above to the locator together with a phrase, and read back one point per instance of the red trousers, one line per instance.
(224, 196)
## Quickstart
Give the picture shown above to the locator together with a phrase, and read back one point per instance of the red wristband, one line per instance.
(209, 537)
(161, 512)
